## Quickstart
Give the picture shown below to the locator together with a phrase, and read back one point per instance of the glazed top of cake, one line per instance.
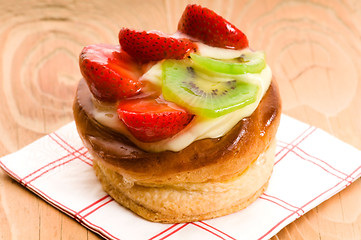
(166, 91)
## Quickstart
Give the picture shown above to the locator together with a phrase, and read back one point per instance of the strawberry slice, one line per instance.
(110, 73)
(151, 120)
(154, 45)
(207, 26)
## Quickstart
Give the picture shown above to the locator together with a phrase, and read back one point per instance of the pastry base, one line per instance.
(175, 203)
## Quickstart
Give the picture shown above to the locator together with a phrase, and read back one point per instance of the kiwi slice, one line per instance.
(185, 87)
(248, 62)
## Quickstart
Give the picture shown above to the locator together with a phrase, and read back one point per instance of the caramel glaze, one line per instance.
(216, 159)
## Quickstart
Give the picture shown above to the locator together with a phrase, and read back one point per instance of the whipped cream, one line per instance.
(200, 127)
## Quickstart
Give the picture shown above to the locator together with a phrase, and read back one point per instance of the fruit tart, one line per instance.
(181, 127)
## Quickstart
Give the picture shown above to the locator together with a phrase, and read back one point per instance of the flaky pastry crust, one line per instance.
(127, 172)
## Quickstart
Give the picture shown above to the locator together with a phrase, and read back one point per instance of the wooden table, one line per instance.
(313, 47)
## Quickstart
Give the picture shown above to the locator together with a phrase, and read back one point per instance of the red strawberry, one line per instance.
(110, 73)
(151, 120)
(207, 26)
(153, 46)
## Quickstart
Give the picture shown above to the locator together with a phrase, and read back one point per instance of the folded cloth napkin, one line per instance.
(310, 167)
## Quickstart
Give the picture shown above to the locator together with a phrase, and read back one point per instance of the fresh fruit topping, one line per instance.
(248, 62)
(187, 88)
(151, 120)
(207, 26)
(110, 73)
(153, 46)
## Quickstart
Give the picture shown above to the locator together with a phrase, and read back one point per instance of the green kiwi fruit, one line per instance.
(248, 62)
(182, 85)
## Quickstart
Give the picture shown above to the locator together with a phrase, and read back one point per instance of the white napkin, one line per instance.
(310, 167)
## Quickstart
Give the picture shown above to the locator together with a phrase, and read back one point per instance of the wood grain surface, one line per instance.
(313, 47)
